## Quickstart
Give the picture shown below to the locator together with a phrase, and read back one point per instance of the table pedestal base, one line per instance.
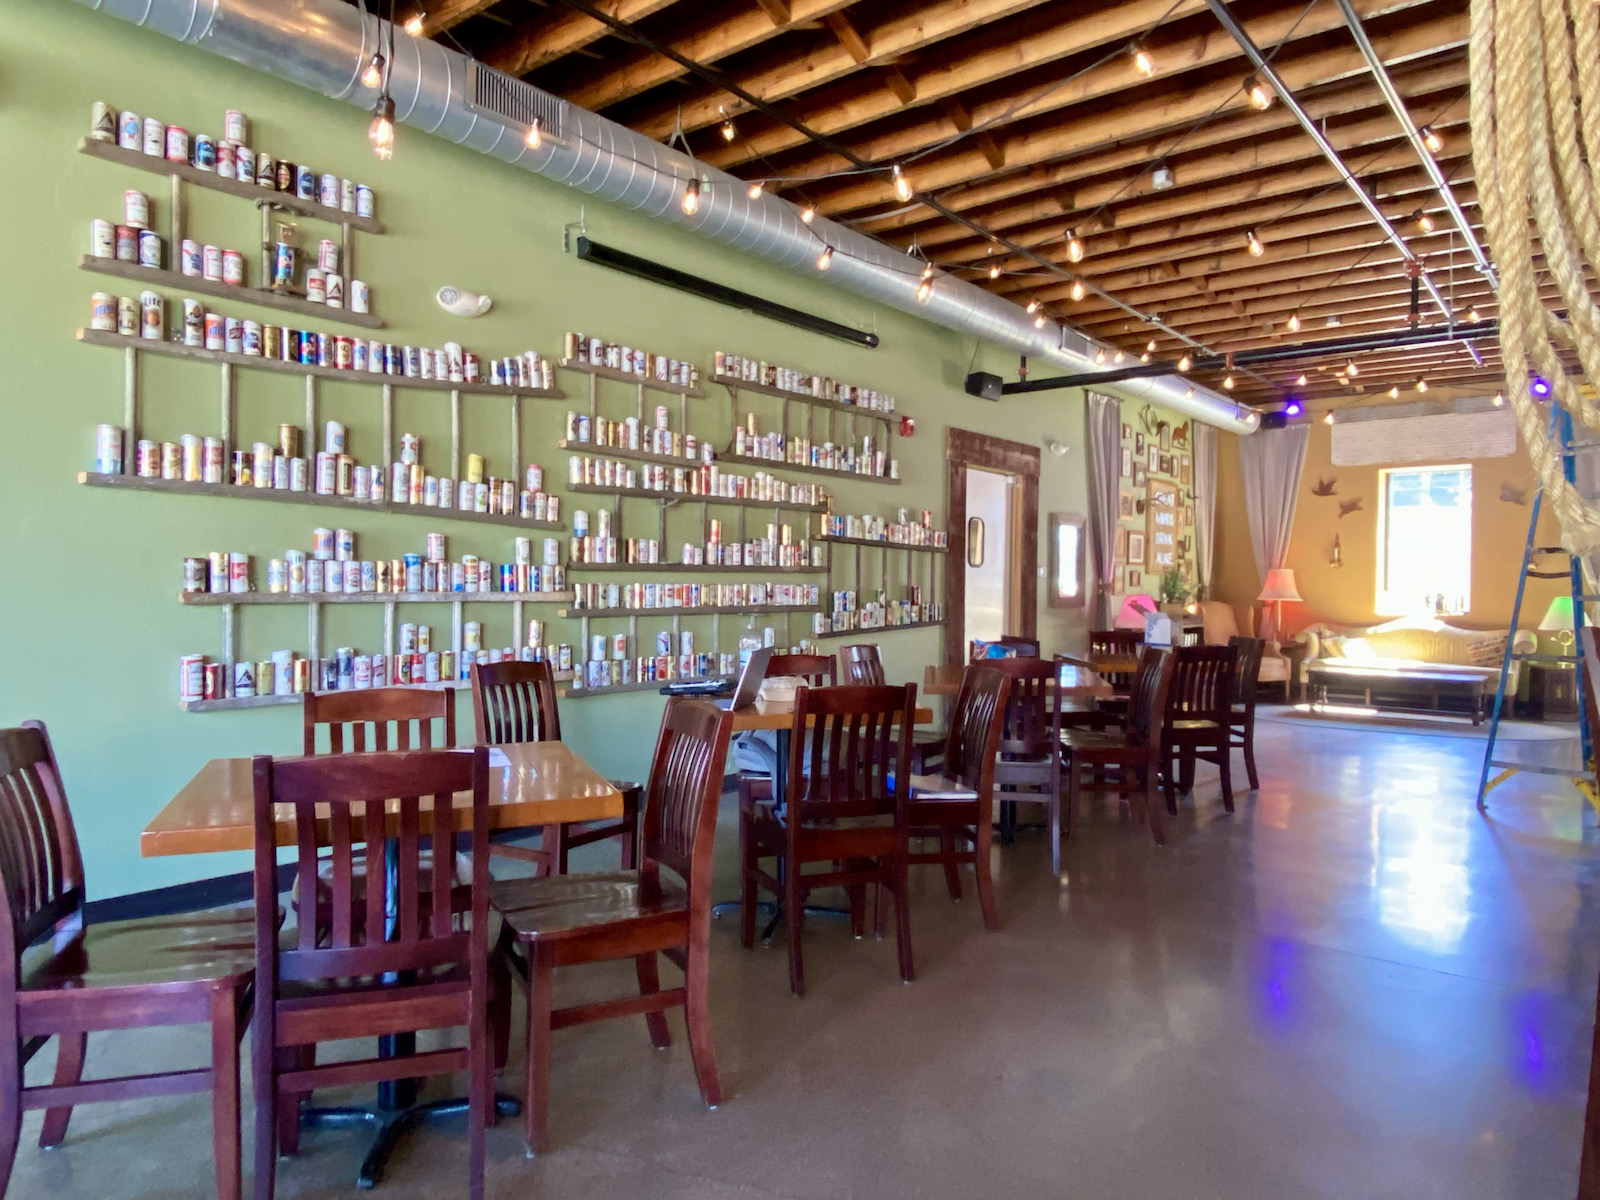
(392, 1126)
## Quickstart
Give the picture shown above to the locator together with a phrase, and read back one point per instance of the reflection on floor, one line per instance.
(1354, 987)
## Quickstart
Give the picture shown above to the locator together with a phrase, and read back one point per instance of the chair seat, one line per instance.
(216, 948)
(939, 787)
(1273, 670)
(554, 907)
(1191, 725)
(1094, 739)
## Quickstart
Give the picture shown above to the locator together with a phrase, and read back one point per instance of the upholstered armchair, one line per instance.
(1222, 622)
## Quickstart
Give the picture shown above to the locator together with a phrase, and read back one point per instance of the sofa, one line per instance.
(1367, 657)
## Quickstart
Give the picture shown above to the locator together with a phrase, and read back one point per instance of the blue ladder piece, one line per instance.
(1561, 425)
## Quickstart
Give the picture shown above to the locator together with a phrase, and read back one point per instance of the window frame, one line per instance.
(1382, 599)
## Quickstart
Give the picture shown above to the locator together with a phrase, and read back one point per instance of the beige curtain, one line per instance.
(1103, 421)
(1205, 503)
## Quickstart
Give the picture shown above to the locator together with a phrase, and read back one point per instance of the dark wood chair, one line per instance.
(839, 808)
(60, 978)
(395, 956)
(1199, 719)
(516, 702)
(378, 719)
(818, 670)
(957, 807)
(1135, 748)
(863, 667)
(1116, 643)
(1028, 768)
(564, 920)
(1242, 726)
(1020, 647)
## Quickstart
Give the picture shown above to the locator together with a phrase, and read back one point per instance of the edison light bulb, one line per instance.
(381, 132)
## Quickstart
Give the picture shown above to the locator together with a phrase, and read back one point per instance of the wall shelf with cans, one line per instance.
(224, 599)
(275, 701)
(256, 362)
(735, 385)
(666, 460)
(875, 630)
(227, 491)
(111, 152)
(696, 610)
(653, 685)
(240, 293)
(693, 498)
(879, 544)
(708, 568)
(640, 381)
(778, 464)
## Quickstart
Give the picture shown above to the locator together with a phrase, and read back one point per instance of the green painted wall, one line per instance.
(89, 578)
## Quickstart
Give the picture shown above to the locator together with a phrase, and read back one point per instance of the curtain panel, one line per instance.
(1103, 418)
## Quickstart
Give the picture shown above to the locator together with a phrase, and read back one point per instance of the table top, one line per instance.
(545, 784)
(1077, 682)
(780, 715)
(1401, 674)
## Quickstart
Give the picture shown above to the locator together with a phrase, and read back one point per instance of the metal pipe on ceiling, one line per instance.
(324, 45)
(1397, 105)
(1219, 9)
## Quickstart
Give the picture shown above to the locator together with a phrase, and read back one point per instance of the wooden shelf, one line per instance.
(578, 693)
(778, 464)
(227, 491)
(654, 385)
(685, 610)
(238, 293)
(879, 543)
(111, 152)
(876, 629)
(690, 497)
(734, 384)
(221, 599)
(594, 451)
(274, 701)
(167, 349)
(719, 568)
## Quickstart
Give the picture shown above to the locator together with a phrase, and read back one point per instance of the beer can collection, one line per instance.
(739, 369)
(909, 529)
(709, 479)
(591, 351)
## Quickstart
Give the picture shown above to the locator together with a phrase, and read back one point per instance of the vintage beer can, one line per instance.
(328, 190)
(135, 209)
(244, 164)
(277, 575)
(108, 450)
(252, 338)
(205, 152)
(130, 130)
(347, 196)
(191, 260)
(238, 572)
(266, 170)
(152, 316)
(322, 543)
(235, 126)
(297, 474)
(214, 331)
(147, 460)
(226, 160)
(344, 353)
(365, 206)
(102, 311)
(283, 264)
(233, 335)
(194, 322)
(305, 182)
(102, 122)
(177, 144)
(233, 267)
(211, 460)
(102, 239)
(328, 254)
(244, 679)
(171, 460)
(335, 290)
(192, 677)
(272, 341)
(211, 263)
(344, 544)
(316, 285)
(150, 254)
(127, 316)
(127, 243)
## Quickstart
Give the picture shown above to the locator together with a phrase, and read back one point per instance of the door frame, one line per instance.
(963, 449)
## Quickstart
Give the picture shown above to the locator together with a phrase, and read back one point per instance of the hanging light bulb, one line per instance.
(535, 134)
(1499, 399)
(1431, 139)
(1254, 244)
(1394, 393)
(1424, 222)
(755, 190)
(691, 197)
(1227, 382)
(902, 185)
(924, 290)
(1422, 385)
(1078, 290)
(372, 77)
(413, 24)
(1100, 357)
(927, 273)
(1142, 62)
(825, 259)
(1118, 357)
(1145, 357)
(1185, 363)
(1259, 93)
(1351, 369)
(728, 131)
(381, 132)
(1151, 345)
(1038, 322)
(1074, 246)
(994, 272)
(1328, 420)
(1472, 315)
(808, 214)
(1293, 323)
(1300, 382)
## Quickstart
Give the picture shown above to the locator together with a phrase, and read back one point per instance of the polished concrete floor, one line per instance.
(1355, 986)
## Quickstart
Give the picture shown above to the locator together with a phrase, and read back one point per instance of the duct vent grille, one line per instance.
(496, 94)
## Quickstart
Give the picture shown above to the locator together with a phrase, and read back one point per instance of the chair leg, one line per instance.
(858, 906)
(747, 880)
(264, 1077)
(1169, 761)
(1186, 758)
(1152, 805)
(650, 983)
(1073, 770)
(952, 873)
(536, 1073)
(225, 1092)
(697, 1015)
(902, 915)
(10, 1107)
(794, 915)
(981, 838)
(1250, 752)
(499, 1008)
(480, 1096)
(70, 1048)
(292, 1058)
(1054, 805)
(1226, 767)
(630, 837)
(554, 840)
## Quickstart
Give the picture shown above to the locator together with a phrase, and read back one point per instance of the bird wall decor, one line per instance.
(1513, 495)
(1346, 507)
(1324, 487)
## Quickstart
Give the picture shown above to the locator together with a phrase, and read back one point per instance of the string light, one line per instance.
(1151, 345)
(1424, 222)
(924, 290)
(1422, 385)
(535, 134)
(728, 131)
(755, 190)
(1499, 399)
(1118, 357)
(1074, 246)
(1078, 290)
(1142, 62)
(808, 214)
(1185, 363)
(691, 197)
(902, 185)
(1038, 322)
(927, 274)
(1328, 420)
(1431, 139)
(1227, 382)
(1145, 357)
(381, 132)
(1301, 382)
(1259, 93)
(413, 24)
(372, 77)
(825, 259)
(994, 272)
(1394, 393)
(1100, 357)
(1033, 306)
(1472, 315)
(1189, 395)
(1351, 369)
(1293, 323)
(1254, 244)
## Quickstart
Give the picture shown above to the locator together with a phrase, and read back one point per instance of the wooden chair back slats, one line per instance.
(1249, 651)
(680, 816)
(975, 727)
(380, 719)
(41, 873)
(1115, 643)
(863, 665)
(845, 744)
(818, 670)
(1148, 700)
(1026, 730)
(397, 803)
(1202, 684)
(514, 702)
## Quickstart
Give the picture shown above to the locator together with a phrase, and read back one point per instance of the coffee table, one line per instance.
(1417, 690)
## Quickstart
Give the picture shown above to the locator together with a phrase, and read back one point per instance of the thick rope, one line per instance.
(1535, 77)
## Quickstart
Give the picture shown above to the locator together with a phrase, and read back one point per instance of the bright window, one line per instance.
(1426, 526)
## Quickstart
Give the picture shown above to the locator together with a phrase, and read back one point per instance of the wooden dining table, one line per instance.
(1073, 683)
(778, 715)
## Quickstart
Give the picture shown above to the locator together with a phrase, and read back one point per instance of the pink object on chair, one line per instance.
(1133, 612)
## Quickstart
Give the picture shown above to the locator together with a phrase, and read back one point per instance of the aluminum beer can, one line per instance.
(244, 164)
(147, 461)
(205, 152)
(152, 316)
(191, 259)
(344, 544)
(233, 335)
(214, 331)
(238, 572)
(226, 160)
(297, 474)
(347, 196)
(135, 209)
(305, 182)
(283, 263)
(252, 338)
(177, 144)
(150, 249)
(211, 263)
(102, 311)
(127, 316)
(244, 679)
(272, 341)
(364, 201)
(266, 170)
(130, 130)
(102, 122)
(232, 267)
(192, 677)
(211, 460)
(127, 243)
(322, 544)
(328, 191)
(194, 323)
(235, 126)
(102, 239)
(358, 295)
(108, 450)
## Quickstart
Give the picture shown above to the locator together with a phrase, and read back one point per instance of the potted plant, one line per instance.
(1174, 589)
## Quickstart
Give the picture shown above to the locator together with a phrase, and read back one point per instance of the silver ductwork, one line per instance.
(325, 44)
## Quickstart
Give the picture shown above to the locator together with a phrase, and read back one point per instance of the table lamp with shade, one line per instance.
(1278, 588)
(1558, 620)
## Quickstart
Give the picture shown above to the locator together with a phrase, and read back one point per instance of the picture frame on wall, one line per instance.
(1154, 458)
(1120, 547)
(1135, 548)
(1127, 462)
(1166, 437)
(1138, 444)
(1127, 432)
(1166, 464)
(1138, 474)
(1133, 578)
(1185, 471)
(1125, 505)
